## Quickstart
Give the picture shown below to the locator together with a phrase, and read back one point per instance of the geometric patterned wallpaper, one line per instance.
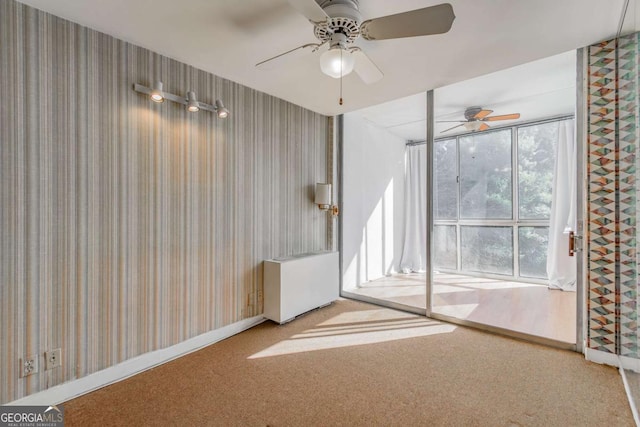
(128, 226)
(612, 194)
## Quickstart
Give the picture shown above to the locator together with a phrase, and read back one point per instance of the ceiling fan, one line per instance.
(475, 118)
(339, 23)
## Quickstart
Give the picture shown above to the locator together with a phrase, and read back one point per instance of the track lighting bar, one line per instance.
(157, 94)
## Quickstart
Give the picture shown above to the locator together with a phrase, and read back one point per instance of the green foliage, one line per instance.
(445, 179)
(536, 157)
(533, 251)
(487, 249)
(485, 175)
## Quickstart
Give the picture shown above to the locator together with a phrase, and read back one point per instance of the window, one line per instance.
(532, 246)
(536, 154)
(445, 240)
(485, 175)
(487, 249)
(445, 182)
(492, 201)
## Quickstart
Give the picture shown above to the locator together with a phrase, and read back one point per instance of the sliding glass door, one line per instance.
(491, 207)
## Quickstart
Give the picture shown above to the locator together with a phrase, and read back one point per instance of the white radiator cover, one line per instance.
(300, 283)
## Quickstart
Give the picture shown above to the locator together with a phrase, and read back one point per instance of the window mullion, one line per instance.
(458, 202)
(515, 212)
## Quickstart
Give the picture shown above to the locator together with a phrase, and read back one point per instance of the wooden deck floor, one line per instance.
(523, 307)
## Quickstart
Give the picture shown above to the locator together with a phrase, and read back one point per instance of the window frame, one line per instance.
(515, 222)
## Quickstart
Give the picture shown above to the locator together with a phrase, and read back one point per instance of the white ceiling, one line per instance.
(537, 90)
(228, 38)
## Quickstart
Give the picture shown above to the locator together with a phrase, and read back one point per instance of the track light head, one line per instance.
(156, 94)
(222, 112)
(192, 102)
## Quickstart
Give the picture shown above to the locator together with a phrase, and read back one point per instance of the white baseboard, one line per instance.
(630, 364)
(602, 357)
(74, 388)
(611, 359)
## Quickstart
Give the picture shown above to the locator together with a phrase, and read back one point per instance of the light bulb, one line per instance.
(337, 62)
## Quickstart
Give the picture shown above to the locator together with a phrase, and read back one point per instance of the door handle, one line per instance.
(574, 245)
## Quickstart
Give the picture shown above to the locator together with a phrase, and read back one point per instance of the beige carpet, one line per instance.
(354, 364)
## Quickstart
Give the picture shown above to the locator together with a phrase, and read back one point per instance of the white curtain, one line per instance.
(414, 252)
(561, 268)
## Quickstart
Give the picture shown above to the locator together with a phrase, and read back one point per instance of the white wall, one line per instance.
(372, 201)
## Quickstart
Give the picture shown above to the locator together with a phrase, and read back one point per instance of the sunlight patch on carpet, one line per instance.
(381, 314)
(357, 328)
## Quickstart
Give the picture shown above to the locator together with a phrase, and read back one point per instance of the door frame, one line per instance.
(580, 122)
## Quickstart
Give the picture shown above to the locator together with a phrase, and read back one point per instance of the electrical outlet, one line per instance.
(28, 366)
(53, 359)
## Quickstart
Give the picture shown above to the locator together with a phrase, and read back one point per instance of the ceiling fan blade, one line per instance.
(287, 56)
(456, 126)
(365, 67)
(482, 114)
(484, 126)
(503, 117)
(310, 9)
(420, 22)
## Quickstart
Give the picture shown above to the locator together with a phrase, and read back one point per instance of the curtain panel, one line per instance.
(561, 268)
(414, 251)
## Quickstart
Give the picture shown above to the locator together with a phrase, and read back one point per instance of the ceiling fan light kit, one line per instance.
(339, 23)
(338, 61)
(473, 126)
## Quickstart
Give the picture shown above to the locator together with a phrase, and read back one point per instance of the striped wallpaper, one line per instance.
(128, 226)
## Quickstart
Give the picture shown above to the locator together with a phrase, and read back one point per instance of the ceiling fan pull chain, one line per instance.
(341, 64)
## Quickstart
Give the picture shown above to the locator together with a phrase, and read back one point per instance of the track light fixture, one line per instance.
(157, 94)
